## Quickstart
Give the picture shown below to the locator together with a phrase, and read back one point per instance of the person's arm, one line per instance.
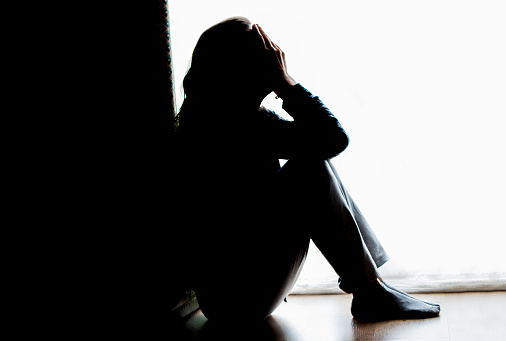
(315, 124)
(315, 131)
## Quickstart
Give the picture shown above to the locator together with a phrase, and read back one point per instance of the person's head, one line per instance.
(228, 60)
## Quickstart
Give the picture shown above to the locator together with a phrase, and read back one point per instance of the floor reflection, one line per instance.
(328, 317)
(198, 327)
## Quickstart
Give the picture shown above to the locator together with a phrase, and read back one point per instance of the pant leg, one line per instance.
(249, 286)
(334, 221)
(374, 246)
(249, 257)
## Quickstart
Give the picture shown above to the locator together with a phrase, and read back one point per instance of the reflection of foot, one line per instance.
(381, 302)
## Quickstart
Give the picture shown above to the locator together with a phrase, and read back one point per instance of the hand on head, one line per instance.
(282, 80)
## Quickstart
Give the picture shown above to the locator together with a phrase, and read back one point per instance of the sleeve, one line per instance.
(315, 132)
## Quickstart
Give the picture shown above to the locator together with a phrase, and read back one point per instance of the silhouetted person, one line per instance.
(252, 220)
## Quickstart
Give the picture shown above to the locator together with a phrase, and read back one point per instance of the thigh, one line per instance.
(257, 282)
(251, 258)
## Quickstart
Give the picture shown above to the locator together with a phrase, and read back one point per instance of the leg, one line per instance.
(342, 234)
(375, 248)
(247, 260)
(258, 283)
(337, 226)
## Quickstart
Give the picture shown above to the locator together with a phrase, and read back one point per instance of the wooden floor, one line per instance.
(464, 316)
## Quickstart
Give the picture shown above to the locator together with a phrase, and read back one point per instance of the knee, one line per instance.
(305, 166)
(305, 180)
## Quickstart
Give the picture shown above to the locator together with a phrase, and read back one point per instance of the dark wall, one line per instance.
(104, 178)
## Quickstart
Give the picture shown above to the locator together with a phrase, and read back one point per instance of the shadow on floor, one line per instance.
(198, 327)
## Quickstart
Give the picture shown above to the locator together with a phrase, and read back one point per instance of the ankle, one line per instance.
(368, 288)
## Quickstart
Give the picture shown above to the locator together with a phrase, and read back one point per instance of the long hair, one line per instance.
(228, 59)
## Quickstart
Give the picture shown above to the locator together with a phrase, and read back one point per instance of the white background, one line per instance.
(420, 88)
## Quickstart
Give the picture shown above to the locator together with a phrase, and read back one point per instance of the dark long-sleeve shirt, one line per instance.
(233, 157)
(315, 132)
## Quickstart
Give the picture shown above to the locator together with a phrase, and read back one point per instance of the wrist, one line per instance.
(287, 83)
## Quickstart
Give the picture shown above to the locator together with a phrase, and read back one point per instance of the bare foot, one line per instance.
(380, 302)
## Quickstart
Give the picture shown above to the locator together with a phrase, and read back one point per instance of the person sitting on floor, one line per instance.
(252, 220)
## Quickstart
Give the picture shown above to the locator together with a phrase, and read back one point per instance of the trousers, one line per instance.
(256, 257)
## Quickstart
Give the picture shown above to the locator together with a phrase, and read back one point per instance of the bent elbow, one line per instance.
(345, 141)
(328, 143)
(338, 144)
